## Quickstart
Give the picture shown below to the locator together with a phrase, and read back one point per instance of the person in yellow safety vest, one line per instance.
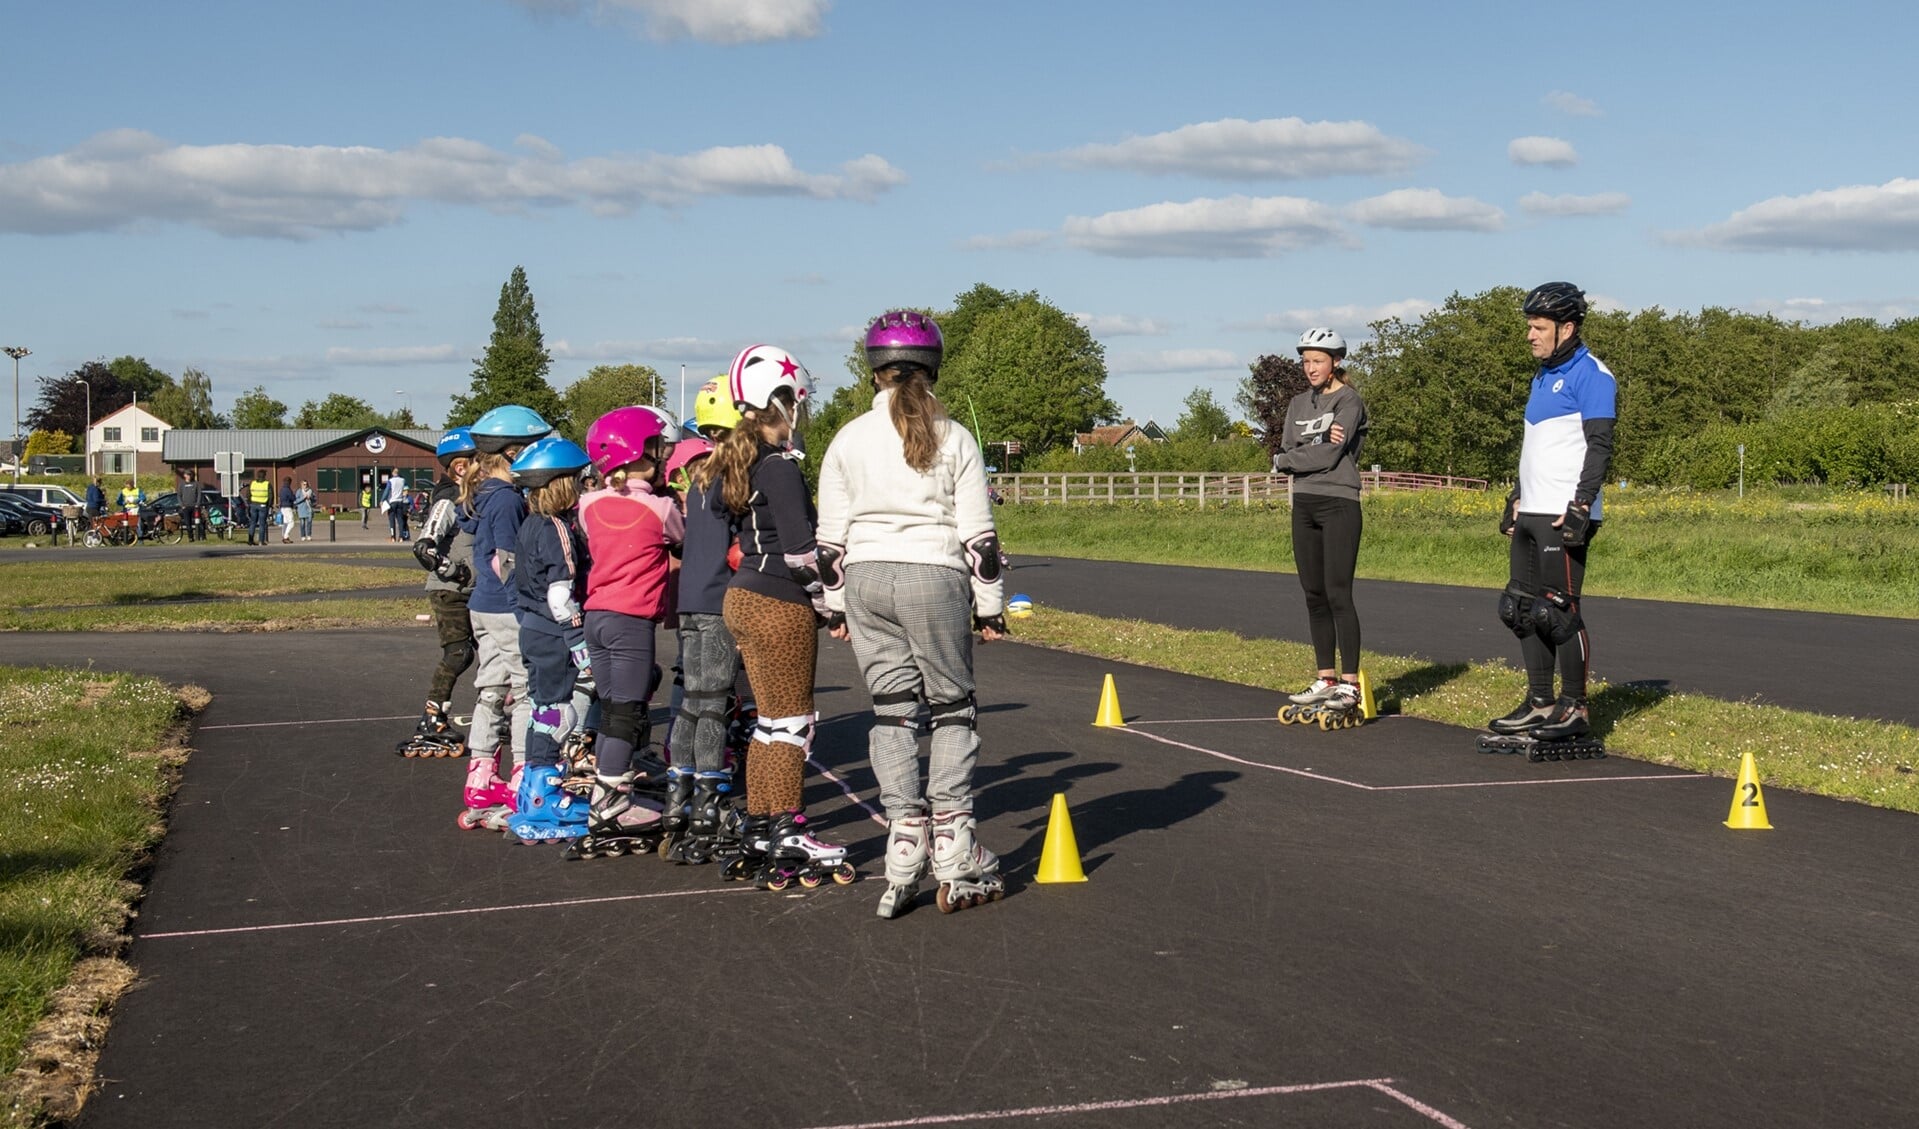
(131, 496)
(259, 503)
(366, 505)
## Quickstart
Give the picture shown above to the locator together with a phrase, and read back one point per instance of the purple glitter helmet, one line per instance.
(904, 337)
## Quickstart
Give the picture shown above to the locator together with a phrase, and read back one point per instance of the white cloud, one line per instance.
(661, 350)
(125, 177)
(1237, 227)
(1821, 311)
(1121, 325)
(397, 355)
(1173, 360)
(1272, 149)
(1542, 151)
(710, 21)
(1598, 204)
(1350, 320)
(1566, 102)
(1862, 217)
(1011, 241)
(1426, 209)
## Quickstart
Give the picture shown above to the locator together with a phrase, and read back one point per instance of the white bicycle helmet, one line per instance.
(1323, 339)
(760, 371)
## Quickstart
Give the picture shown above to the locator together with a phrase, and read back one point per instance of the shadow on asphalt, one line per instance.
(1104, 820)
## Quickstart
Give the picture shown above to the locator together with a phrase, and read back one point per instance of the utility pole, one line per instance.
(19, 448)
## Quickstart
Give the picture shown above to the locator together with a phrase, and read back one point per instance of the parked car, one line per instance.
(18, 515)
(55, 496)
(160, 506)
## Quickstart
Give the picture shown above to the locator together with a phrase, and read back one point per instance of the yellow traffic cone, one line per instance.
(1109, 715)
(1059, 858)
(1368, 708)
(1748, 803)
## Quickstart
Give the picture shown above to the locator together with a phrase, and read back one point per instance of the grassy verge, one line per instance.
(67, 582)
(1869, 761)
(235, 615)
(84, 773)
(1816, 551)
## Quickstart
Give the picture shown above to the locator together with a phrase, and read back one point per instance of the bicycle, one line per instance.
(218, 523)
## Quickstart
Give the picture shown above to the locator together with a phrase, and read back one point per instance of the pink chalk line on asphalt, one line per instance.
(1381, 1085)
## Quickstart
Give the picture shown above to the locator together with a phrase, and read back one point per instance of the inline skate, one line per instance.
(747, 857)
(434, 736)
(674, 811)
(906, 852)
(712, 824)
(793, 855)
(967, 873)
(489, 799)
(1544, 729)
(1328, 703)
(544, 811)
(617, 822)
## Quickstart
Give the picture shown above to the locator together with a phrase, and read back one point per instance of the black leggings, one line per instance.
(1326, 552)
(1539, 561)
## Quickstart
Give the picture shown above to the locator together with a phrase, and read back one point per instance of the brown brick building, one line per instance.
(334, 461)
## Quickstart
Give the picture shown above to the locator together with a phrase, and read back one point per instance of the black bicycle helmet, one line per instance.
(1560, 301)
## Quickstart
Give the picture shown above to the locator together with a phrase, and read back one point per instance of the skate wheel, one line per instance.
(778, 882)
(943, 897)
(468, 820)
(1326, 723)
(812, 881)
(1288, 714)
(1535, 754)
(667, 844)
(844, 874)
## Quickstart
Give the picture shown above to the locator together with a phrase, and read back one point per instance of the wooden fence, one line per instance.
(1213, 488)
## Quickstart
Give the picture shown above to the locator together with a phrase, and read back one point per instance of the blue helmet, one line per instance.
(548, 459)
(455, 444)
(509, 425)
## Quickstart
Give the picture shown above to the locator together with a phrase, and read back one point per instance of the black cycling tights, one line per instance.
(1539, 561)
(1326, 552)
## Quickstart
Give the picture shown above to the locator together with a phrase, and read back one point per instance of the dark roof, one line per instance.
(276, 445)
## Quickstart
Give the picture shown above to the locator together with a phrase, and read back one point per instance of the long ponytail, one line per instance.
(731, 464)
(917, 415)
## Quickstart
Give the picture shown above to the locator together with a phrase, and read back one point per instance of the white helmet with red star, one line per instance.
(761, 372)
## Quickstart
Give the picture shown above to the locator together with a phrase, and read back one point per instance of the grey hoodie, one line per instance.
(1306, 448)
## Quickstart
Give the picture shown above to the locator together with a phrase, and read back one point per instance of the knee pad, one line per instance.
(556, 721)
(494, 698)
(457, 656)
(964, 711)
(703, 705)
(885, 707)
(621, 722)
(1556, 617)
(796, 731)
(1516, 610)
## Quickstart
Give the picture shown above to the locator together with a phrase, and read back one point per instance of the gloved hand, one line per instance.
(995, 622)
(1509, 513)
(1574, 525)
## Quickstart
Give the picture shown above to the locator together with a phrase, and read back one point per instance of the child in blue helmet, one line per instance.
(445, 550)
(549, 585)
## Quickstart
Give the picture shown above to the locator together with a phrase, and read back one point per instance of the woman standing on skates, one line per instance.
(772, 607)
(1319, 446)
(912, 567)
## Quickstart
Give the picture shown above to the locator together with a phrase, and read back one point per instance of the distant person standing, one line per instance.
(396, 503)
(96, 499)
(366, 503)
(1553, 513)
(189, 494)
(286, 510)
(303, 509)
(1319, 446)
(259, 498)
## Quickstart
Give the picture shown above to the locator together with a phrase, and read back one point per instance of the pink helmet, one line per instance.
(904, 337)
(625, 435)
(684, 452)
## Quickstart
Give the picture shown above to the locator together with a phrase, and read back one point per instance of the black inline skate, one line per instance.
(675, 812)
(793, 855)
(712, 827)
(748, 856)
(1543, 729)
(617, 822)
(434, 735)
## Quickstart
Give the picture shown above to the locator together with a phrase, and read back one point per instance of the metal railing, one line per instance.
(1203, 487)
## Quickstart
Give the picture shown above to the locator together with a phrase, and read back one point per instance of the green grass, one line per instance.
(1811, 550)
(82, 780)
(66, 581)
(1869, 761)
(227, 615)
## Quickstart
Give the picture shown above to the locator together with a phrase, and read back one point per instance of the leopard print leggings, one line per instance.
(779, 643)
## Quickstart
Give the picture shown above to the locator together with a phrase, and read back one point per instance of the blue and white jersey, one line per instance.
(1554, 453)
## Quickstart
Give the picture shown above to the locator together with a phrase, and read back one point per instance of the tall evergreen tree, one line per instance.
(514, 369)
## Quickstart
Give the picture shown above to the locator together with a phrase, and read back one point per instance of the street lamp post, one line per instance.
(86, 433)
(19, 449)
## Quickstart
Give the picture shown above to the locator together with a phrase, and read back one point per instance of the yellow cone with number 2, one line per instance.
(1748, 802)
(1059, 858)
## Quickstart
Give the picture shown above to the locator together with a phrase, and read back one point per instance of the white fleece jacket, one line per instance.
(876, 508)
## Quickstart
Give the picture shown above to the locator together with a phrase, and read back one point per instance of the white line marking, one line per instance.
(1411, 787)
(438, 913)
(1200, 720)
(1382, 1085)
(323, 721)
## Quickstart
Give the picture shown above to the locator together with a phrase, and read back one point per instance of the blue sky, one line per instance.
(327, 197)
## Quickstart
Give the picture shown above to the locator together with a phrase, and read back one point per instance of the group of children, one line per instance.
(552, 565)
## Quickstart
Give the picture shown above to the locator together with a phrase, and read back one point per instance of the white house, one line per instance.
(127, 442)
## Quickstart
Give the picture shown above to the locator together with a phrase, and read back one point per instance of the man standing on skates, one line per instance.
(1553, 514)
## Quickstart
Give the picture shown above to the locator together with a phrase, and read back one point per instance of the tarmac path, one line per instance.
(1376, 927)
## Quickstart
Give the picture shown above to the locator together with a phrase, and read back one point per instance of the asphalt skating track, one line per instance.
(1372, 928)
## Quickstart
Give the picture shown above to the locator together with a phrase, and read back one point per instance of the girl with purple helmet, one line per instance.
(911, 565)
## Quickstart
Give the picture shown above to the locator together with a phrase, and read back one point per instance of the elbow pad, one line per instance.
(559, 601)
(806, 573)
(832, 562)
(982, 556)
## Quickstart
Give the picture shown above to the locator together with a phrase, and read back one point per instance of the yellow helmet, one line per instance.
(713, 406)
